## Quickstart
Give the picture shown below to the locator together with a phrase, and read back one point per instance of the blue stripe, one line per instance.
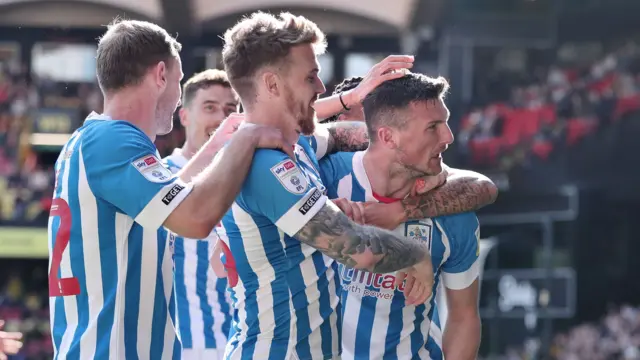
(76, 253)
(108, 258)
(181, 294)
(251, 302)
(325, 304)
(159, 320)
(177, 347)
(395, 326)
(221, 288)
(132, 292)
(281, 293)
(298, 296)
(365, 327)
(202, 268)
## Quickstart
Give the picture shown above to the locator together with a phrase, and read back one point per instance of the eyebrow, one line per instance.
(215, 102)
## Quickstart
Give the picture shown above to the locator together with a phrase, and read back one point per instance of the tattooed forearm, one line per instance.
(347, 136)
(358, 246)
(455, 196)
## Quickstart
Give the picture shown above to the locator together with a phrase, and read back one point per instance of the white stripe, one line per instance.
(345, 187)
(335, 300)
(310, 278)
(321, 135)
(260, 265)
(169, 330)
(149, 268)
(70, 304)
(361, 175)
(380, 326)
(156, 212)
(460, 281)
(92, 263)
(193, 300)
(212, 298)
(293, 220)
(122, 226)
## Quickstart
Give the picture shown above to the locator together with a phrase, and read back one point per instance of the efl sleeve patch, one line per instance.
(152, 169)
(290, 176)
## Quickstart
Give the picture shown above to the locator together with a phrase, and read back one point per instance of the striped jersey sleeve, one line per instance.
(150, 192)
(462, 267)
(277, 189)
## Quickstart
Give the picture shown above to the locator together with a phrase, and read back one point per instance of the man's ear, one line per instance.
(386, 136)
(183, 113)
(272, 83)
(160, 75)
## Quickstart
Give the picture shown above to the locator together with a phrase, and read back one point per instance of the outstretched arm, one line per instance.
(359, 246)
(346, 136)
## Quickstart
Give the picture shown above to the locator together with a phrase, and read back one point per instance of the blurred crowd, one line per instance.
(557, 108)
(616, 337)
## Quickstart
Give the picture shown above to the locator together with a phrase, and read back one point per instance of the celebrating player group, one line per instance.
(268, 235)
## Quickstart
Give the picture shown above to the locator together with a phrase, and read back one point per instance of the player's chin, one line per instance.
(435, 166)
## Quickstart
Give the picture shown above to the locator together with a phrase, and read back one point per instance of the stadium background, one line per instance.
(545, 100)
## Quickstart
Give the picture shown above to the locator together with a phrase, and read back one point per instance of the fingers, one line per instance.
(216, 262)
(358, 212)
(400, 277)
(410, 281)
(11, 347)
(10, 335)
(343, 205)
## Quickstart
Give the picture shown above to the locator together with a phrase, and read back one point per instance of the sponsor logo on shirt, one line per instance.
(152, 169)
(365, 283)
(290, 176)
(175, 190)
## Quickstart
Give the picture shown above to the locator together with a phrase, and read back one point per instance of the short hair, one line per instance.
(261, 40)
(203, 80)
(381, 106)
(128, 49)
(346, 85)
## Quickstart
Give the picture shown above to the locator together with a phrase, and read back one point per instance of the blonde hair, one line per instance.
(261, 40)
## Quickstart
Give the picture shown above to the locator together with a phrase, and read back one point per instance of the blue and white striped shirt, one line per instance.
(376, 323)
(110, 280)
(284, 291)
(203, 304)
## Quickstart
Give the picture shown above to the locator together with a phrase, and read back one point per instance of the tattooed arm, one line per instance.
(359, 246)
(346, 136)
(462, 192)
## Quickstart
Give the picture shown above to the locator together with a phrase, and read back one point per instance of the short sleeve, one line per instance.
(320, 141)
(333, 168)
(462, 267)
(278, 189)
(123, 169)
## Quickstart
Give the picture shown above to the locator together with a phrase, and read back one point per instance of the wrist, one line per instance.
(350, 98)
(399, 213)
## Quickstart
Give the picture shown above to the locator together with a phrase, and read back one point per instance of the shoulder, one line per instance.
(459, 223)
(112, 133)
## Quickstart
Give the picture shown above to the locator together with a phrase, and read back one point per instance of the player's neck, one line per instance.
(384, 177)
(128, 105)
(267, 116)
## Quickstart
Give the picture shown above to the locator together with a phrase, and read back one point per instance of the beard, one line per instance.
(304, 114)
(164, 121)
(417, 170)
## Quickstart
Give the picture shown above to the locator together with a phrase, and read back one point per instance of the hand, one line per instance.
(353, 210)
(392, 67)
(266, 137)
(428, 183)
(420, 280)
(386, 216)
(227, 127)
(10, 342)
